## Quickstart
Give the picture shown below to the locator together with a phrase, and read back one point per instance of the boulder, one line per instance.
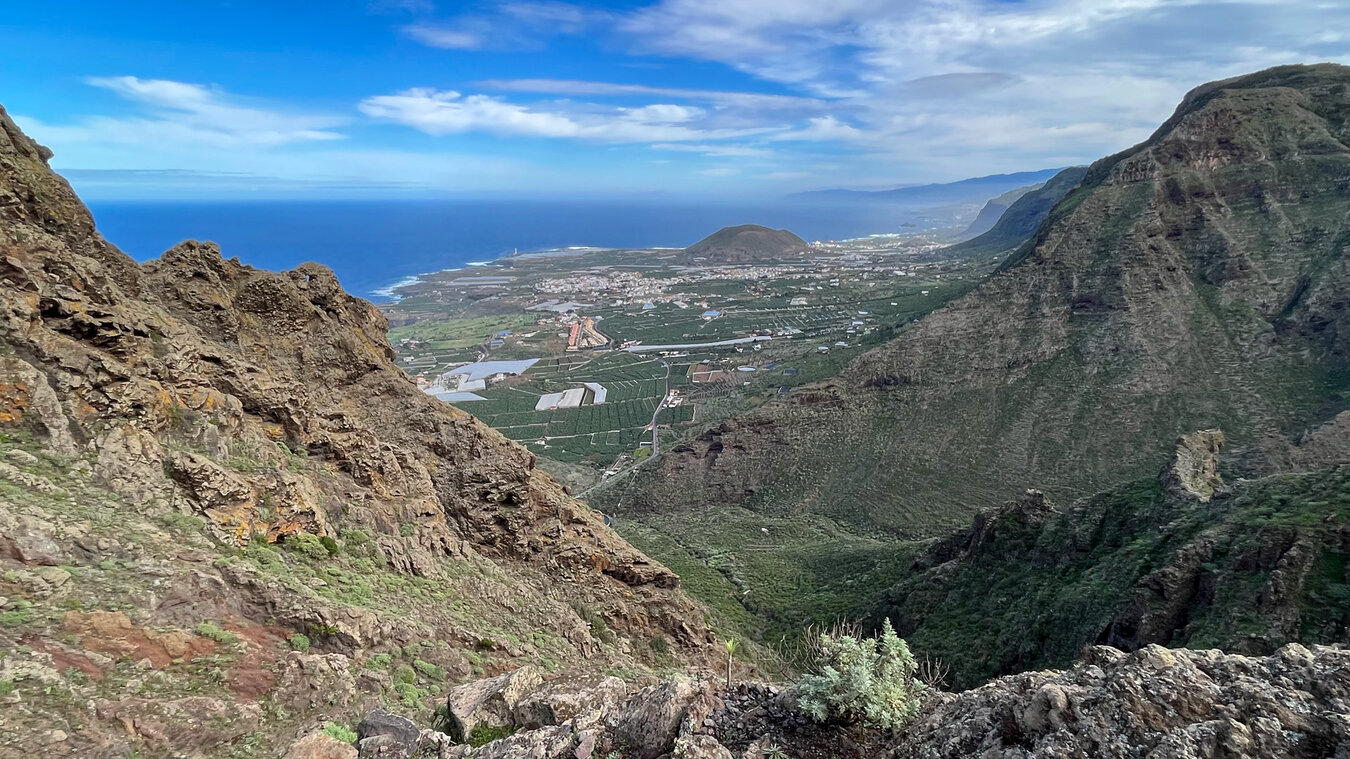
(382, 735)
(650, 720)
(488, 703)
(320, 745)
(585, 699)
(700, 747)
(1155, 702)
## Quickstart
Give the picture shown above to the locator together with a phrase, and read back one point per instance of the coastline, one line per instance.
(389, 293)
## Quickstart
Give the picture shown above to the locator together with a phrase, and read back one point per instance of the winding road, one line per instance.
(656, 433)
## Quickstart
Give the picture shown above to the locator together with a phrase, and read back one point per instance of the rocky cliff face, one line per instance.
(225, 513)
(1197, 280)
(1181, 560)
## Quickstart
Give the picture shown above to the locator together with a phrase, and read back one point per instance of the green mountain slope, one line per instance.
(1260, 564)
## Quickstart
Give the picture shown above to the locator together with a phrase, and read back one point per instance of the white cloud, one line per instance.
(719, 151)
(822, 128)
(570, 87)
(557, 17)
(510, 25)
(179, 113)
(447, 112)
(719, 171)
(944, 88)
(662, 113)
(445, 37)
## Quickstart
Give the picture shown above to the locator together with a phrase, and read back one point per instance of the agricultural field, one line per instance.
(809, 319)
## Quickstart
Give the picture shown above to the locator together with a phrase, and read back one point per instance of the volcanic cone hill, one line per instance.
(746, 244)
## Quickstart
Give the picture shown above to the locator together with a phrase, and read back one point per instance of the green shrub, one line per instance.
(429, 670)
(868, 680)
(22, 613)
(299, 642)
(355, 537)
(214, 632)
(309, 546)
(339, 732)
(483, 735)
(409, 695)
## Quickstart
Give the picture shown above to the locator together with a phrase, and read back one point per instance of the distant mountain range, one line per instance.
(993, 210)
(1014, 224)
(974, 190)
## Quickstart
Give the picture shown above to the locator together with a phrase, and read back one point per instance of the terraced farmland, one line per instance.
(596, 433)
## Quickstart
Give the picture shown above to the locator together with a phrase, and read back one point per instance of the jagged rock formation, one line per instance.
(1181, 560)
(1195, 281)
(1155, 702)
(202, 460)
(746, 244)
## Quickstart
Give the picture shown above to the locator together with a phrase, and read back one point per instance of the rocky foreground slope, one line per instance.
(1155, 702)
(226, 516)
(1198, 280)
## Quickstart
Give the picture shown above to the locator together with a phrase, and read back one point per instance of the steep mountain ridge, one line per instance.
(993, 211)
(1197, 280)
(1016, 225)
(1178, 560)
(204, 460)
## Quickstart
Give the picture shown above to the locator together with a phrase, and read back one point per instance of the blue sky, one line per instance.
(708, 98)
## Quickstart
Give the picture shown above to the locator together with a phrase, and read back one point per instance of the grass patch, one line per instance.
(215, 632)
(483, 734)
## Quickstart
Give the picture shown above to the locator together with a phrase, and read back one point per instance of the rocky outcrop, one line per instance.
(488, 703)
(229, 458)
(1153, 702)
(1195, 470)
(382, 735)
(1180, 560)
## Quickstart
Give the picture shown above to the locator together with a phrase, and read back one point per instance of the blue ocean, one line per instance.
(372, 245)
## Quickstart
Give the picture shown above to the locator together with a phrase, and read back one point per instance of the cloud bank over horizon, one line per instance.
(678, 96)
